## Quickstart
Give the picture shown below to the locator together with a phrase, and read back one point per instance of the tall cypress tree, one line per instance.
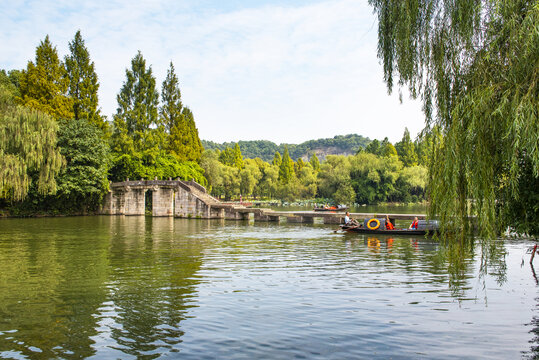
(83, 83)
(137, 109)
(194, 140)
(183, 140)
(277, 160)
(238, 157)
(44, 83)
(406, 150)
(178, 121)
(171, 99)
(286, 170)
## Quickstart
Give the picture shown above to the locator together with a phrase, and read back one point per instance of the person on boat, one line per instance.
(347, 218)
(389, 225)
(348, 221)
(414, 224)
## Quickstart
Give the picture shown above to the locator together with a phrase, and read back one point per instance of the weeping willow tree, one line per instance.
(475, 65)
(28, 151)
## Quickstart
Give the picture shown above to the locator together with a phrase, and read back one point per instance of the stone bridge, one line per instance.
(168, 198)
(176, 198)
(188, 199)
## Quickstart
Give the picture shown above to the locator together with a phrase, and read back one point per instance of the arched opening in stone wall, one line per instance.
(148, 202)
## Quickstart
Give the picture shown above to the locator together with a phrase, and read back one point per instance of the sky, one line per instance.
(284, 71)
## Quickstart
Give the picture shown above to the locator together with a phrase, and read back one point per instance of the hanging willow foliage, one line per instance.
(475, 65)
(28, 150)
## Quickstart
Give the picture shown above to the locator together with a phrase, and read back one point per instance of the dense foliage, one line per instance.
(58, 153)
(365, 178)
(28, 151)
(474, 64)
(151, 141)
(83, 181)
(265, 150)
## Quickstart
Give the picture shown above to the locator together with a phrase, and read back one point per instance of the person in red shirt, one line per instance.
(414, 224)
(389, 225)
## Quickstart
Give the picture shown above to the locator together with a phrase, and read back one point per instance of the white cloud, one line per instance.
(282, 73)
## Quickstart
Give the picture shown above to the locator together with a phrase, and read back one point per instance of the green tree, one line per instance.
(474, 64)
(373, 147)
(374, 178)
(9, 82)
(171, 101)
(137, 115)
(298, 165)
(83, 182)
(277, 160)
(307, 177)
(286, 170)
(226, 156)
(28, 151)
(238, 158)
(334, 180)
(411, 184)
(183, 140)
(269, 183)
(44, 85)
(315, 163)
(213, 170)
(387, 148)
(83, 83)
(406, 150)
(231, 182)
(178, 121)
(249, 177)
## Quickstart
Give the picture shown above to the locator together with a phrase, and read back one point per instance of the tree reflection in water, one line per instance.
(456, 258)
(65, 294)
(151, 299)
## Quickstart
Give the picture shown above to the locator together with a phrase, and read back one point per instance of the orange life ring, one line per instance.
(373, 227)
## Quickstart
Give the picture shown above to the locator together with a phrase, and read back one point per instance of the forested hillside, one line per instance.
(265, 150)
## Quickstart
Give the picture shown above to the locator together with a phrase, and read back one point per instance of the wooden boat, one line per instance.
(363, 230)
(378, 226)
(332, 208)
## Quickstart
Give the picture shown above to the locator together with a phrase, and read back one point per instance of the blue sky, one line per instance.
(285, 71)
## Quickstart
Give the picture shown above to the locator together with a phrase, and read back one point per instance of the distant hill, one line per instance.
(338, 145)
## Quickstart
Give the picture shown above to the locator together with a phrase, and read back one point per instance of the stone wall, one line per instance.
(134, 201)
(188, 205)
(163, 201)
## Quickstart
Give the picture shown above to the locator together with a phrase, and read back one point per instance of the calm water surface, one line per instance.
(141, 287)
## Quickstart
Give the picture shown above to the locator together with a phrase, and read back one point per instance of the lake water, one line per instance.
(141, 287)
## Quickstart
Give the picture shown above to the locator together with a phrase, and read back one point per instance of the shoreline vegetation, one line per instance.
(154, 135)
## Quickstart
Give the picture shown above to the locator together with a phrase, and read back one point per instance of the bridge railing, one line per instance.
(196, 185)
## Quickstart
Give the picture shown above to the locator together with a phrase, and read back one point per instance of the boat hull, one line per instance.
(362, 230)
(330, 209)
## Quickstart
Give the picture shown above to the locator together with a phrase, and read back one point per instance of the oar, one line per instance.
(351, 227)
